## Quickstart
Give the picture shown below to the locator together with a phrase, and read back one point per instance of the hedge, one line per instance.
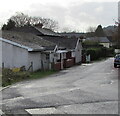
(97, 53)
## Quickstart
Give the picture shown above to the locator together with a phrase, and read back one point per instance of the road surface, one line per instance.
(85, 89)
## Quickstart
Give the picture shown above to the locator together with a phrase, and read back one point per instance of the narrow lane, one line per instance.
(85, 89)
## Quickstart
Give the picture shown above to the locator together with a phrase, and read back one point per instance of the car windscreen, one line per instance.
(117, 57)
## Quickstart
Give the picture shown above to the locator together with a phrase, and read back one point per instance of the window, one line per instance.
(47, 56)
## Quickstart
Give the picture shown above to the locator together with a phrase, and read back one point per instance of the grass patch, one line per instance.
(9, 77)
(41, 74)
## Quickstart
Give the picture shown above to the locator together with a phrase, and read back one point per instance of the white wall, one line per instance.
(73, 54)
(117, 51)
(107, 45)
(78, 53)
(53, 59)
(13, 56)
(45, 62)
(35, 58)
(0, 54)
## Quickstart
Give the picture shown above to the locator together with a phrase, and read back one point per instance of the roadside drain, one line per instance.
(51, 110)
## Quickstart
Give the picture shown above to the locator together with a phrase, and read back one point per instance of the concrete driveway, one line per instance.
(85, 89)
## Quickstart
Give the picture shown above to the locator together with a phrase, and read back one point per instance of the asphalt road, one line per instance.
(84, 89)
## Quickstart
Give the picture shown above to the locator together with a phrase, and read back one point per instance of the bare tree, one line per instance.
(49, 23)
(35, 20)
(91, 29)
(22, 19)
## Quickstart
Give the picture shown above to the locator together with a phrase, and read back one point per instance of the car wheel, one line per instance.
(115, 65)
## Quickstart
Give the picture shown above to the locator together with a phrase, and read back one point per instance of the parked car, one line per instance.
(117, 60)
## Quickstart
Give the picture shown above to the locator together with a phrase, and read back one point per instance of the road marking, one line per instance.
(50, 110)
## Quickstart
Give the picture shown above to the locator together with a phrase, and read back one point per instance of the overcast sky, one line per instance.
(75, 15)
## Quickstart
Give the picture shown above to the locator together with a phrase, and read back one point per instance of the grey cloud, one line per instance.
(77, 15)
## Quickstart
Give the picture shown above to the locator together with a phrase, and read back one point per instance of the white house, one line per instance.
(34, 50)
(73, 46)
(21, 49)
(57, 39)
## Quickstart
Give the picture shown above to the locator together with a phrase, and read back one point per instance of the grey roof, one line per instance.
(72, 34)
(104, 40)
(98, 39)
(28, 39)
(110, 30)
(62, 42)
(45, 31)
(27, 29)
(35, 30)
(36, 38)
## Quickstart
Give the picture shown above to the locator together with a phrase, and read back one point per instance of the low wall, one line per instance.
(66, 64)
(57, 66)
(69, 63)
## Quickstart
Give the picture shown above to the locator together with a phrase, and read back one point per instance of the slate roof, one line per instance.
(110, 30)
(45, 31)
(98, 39)
(35, 30)
(62, 42)
(27, 29)
(72, 34)
(36, 38)
(28, 39)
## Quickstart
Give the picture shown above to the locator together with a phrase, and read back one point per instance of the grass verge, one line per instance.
(9, 77)
(41, 74)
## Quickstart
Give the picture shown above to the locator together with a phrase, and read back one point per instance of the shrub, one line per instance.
(94, 53)
(100, 52)
(110, 51)
(9, 77)
(117, 46)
